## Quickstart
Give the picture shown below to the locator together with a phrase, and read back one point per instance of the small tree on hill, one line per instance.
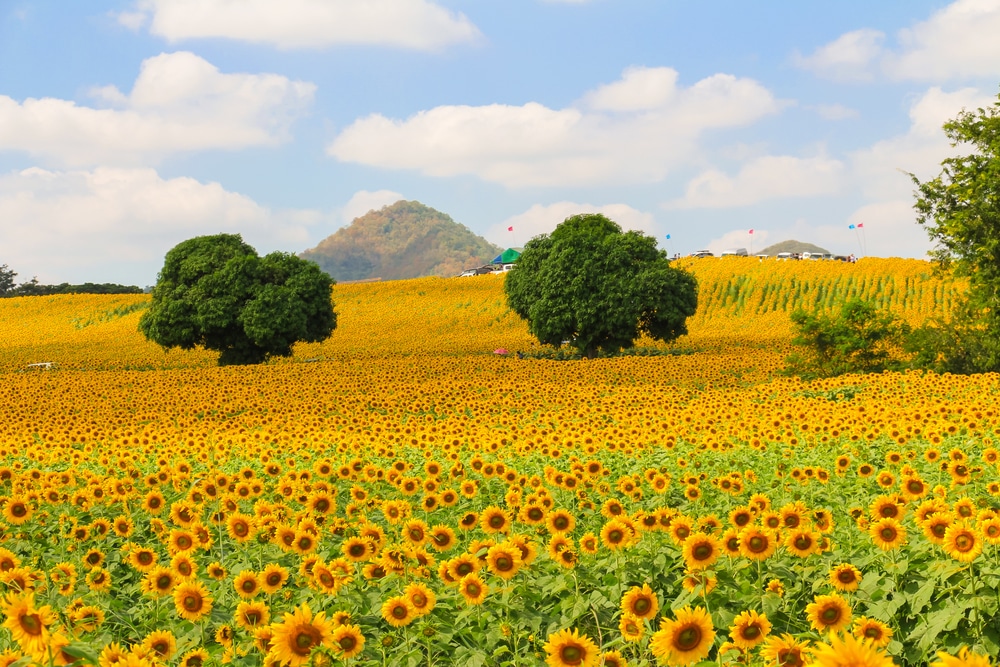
(215, 291)
(599, 288)
(7, 276)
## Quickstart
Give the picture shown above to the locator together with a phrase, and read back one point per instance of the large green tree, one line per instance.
(215, 291)
(599, 288)
(960, 210)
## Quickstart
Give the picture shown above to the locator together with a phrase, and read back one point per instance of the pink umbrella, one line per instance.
(500, 350)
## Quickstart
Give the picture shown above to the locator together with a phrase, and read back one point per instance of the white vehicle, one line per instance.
(784, 255)
(702, 253)
(735, 252)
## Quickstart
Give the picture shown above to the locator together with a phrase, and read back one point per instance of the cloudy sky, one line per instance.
(127, 126)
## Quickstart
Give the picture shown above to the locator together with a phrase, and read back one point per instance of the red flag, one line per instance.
(860, 225)
(750, 232)
(510, 229)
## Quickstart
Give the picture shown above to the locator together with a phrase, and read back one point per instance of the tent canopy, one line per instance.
(508, 256)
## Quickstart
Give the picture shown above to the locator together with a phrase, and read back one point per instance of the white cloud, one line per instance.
(364, 201)
(179, 103)
(293, 24)
(639, 89)
(112, 224)
(847, 58)
(543, 218)
(958, 42)
(834, 111)
(761, 179)
(633, 131)
(880, 169)
(961, 41)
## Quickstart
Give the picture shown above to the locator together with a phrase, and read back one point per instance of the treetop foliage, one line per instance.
(215, 291)
(599, 288)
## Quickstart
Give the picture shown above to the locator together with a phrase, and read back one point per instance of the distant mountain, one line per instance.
(403, 240)
(791, 246)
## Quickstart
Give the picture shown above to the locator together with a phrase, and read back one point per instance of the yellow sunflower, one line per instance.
(293, 640)
(802, 542)
(161, 644)
(785, 651)
(397, 611)
(870, 630)
(965, 658)
(347, 641)
(615, 534)
(504, 560)
(473, 589)
(757, 543)
(829, 613)
(246, 584)
(849, 652)
(640, 603)
(962, 542)
(845, 577)
(631, 628)
(568, 648)
(749, 629)
(29, 626)
(613, 659)
(685, 639)
(494, 520)
(420, 597)
(887, 534)
(700, 551)
(272, 578)
(251, 615)
(192, 600)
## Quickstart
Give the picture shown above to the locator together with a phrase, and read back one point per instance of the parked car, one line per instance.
(735, 252)
(702, 253)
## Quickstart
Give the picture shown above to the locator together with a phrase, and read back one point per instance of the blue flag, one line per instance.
(668, 236)
(851, 227)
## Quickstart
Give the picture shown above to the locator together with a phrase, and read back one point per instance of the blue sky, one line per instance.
(127, 126)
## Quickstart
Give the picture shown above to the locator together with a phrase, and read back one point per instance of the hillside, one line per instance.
(741, 306)
(792, 246)
(404, 240)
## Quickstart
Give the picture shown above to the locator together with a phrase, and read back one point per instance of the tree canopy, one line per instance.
(215, 291)
(960, 210)
(599, 288)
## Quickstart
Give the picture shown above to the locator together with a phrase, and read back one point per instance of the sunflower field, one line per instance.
(401, 494)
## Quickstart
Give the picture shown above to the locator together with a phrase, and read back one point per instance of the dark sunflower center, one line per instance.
(702, 552)
(830, 615)
(399, 611)
(31, 624)
(304, 640)
(688, 638)
(192, 602)
(572, 654)
(347, 643)
(964, 542)
(757, 544)
(751, 631)
(641, 606)
(504, 563)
